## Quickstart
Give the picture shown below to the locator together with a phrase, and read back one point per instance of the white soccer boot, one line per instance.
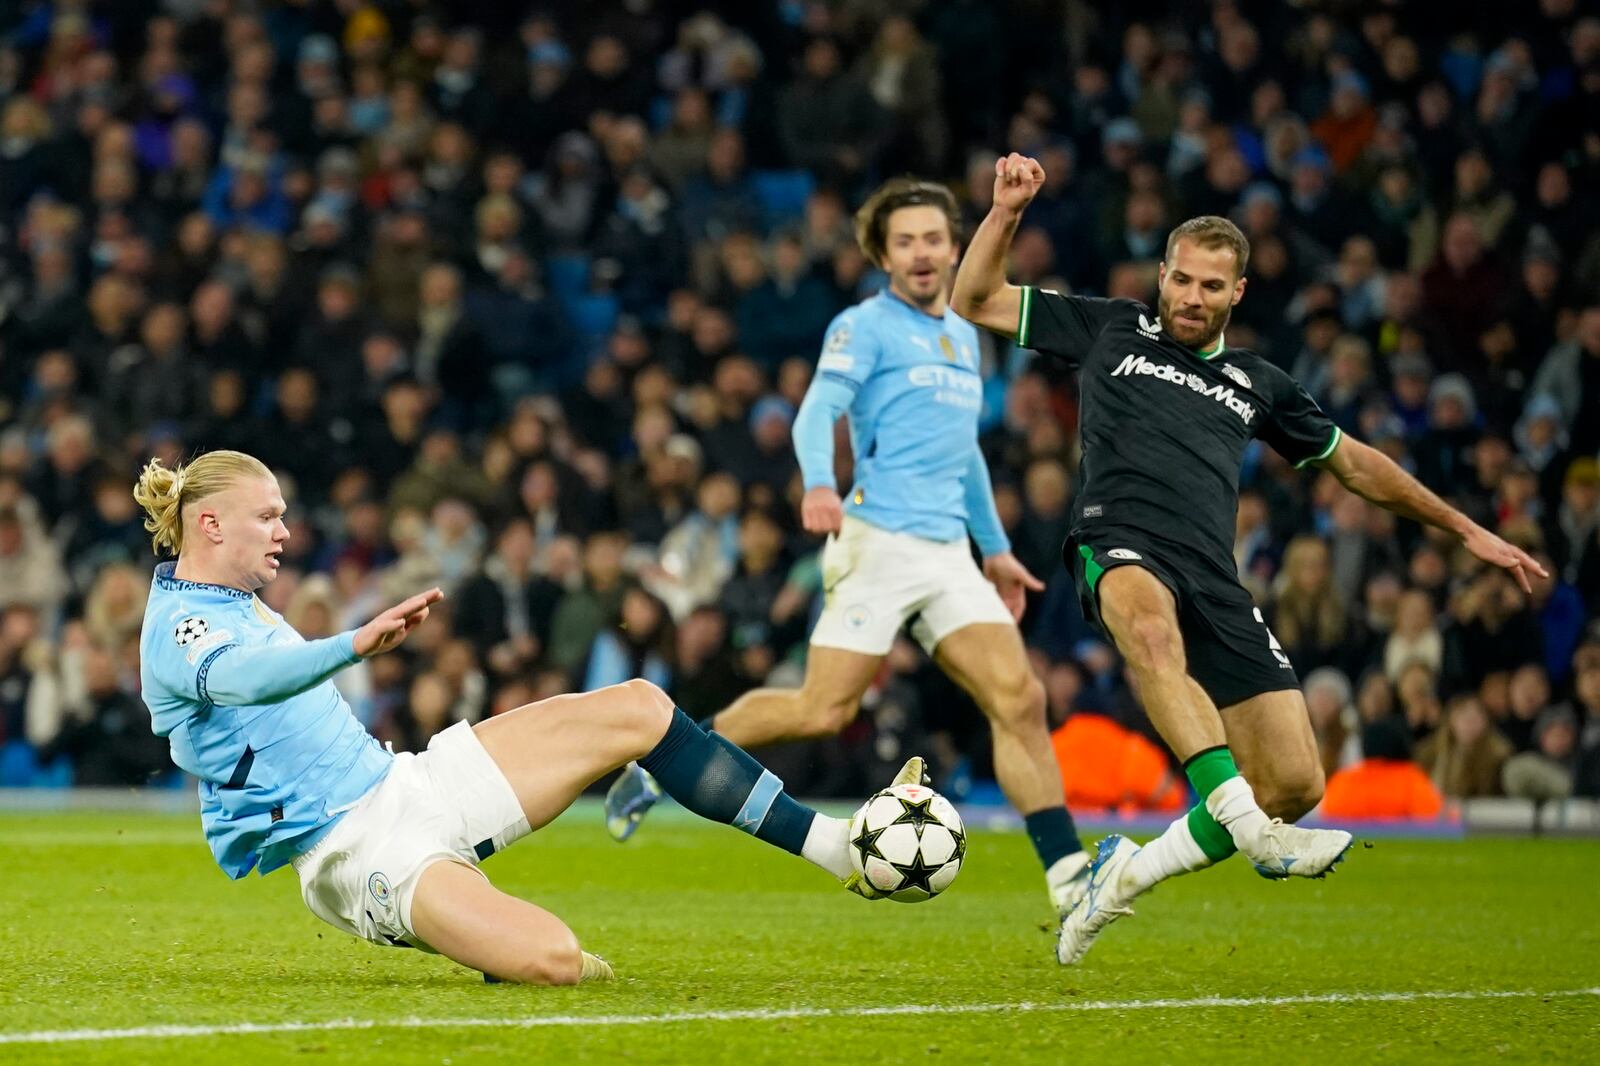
(1106, 898)
(1282, 850)
(914, 772)
(1065, 895)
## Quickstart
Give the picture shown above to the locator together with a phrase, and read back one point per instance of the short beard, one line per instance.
(1210, 337)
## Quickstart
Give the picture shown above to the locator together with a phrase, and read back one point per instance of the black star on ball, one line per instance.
(961, 846)
(866, 844)
(915, 874)
(916, 814)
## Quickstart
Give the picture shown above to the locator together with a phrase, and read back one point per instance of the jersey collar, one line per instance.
(167, 583)
(1222, 346)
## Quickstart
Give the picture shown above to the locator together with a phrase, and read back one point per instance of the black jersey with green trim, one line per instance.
(1164, 428)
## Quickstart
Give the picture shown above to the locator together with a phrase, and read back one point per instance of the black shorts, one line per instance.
(1230, 650)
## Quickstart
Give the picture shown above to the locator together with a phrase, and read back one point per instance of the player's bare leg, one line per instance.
(988, 661)
(1270, 736)
(823, 705)
(826, 701)
(551, 750)
(462, 916)
(1141, 615)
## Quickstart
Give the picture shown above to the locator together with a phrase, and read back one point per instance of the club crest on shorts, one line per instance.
(189, 630)
(1124, 553)
(858, 617)
(378, 885)
(1236, 374)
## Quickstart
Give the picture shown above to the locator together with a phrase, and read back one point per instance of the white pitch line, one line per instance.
(163, 1032)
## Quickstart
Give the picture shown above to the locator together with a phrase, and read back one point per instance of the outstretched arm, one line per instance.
(236, 676)
(981, 294)
(1372, 475)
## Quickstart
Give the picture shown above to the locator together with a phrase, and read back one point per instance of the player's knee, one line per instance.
(827, 718)
(646, 709)
(1017, 701)
(1152, 643)
(1292, 793)
(558, 963)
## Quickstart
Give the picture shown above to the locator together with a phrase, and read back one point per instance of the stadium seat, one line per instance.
(782, 194)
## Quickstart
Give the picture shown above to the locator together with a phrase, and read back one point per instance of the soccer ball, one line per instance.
(907, 842)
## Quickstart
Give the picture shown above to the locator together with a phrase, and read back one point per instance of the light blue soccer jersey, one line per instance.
(249, 708)
(914, 398)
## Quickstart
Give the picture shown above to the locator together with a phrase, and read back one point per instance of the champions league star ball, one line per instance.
(907, 842)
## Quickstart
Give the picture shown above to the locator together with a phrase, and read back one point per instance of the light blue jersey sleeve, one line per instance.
(232, 675)
(850, 351)
(983, 520)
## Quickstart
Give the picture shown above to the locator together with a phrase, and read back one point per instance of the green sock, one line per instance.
(1206, 771)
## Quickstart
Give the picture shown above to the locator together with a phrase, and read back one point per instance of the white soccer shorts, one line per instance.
(874, 581)
(450, 803)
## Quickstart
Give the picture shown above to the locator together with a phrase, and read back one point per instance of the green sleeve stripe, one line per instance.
(1333, 442)
(1023, 316)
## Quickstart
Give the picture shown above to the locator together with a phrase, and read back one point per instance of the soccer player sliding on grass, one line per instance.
(387, 846)
(1167, 410)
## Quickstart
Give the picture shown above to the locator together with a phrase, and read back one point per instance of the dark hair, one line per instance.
(872, 220)
(1213, 231)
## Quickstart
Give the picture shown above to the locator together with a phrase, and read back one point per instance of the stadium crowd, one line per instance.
(522, 300)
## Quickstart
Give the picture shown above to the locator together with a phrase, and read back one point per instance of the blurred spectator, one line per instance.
(640, 644)
(827, 119)
(1307, 615)
(108, 737)
(1546, 772)
(1330, 704)
(1464, 756)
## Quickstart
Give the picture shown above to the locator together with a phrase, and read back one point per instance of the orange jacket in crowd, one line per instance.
(1106, 766)
(1381, 788)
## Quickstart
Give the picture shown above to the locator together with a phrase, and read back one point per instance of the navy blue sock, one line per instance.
(1053, 834)
(719, 781)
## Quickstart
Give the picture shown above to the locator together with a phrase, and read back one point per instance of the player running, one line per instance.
(387, 846)
(905, 370)
(1167, 410)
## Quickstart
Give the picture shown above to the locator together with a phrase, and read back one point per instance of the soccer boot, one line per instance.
(1065, 894)
(1282, 850)
(595, 969)
(1106, 898)
(628, 800)
(914, 772)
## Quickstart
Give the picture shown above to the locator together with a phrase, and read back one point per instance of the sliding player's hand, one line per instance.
(1012, 580)
(387, 631)
(821, 510)
(1017, 180)
(1493, 549)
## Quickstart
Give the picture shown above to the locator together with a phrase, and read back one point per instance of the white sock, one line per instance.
(828, 845)
(1172, 853)
(1234, 806)
(1063, 872)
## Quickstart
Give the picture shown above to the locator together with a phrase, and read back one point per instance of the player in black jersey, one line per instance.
(1167, 409)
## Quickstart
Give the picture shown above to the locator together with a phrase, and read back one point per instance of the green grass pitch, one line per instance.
(120, 921)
